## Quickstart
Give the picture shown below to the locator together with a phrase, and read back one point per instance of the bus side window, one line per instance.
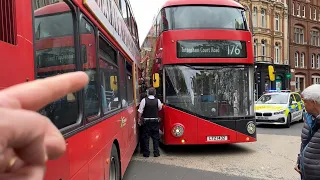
(129, 83)
(88, 57)
(55, 54)
(122, 81)
(109, 77)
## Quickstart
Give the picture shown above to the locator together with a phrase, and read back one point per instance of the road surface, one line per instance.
(272, 157)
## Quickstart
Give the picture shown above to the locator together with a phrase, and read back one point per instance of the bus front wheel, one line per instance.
(114, 168)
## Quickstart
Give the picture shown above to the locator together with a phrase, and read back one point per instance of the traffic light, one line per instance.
(272, 75)
(257, 77)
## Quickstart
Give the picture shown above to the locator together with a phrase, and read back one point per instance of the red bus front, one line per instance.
(203, 55)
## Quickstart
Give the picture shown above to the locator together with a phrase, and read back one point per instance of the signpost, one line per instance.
(288, 75)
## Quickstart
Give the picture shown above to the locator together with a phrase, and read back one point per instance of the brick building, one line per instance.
(270, 28)
(304, 43)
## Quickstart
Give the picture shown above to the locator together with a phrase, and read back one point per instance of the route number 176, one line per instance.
(233, 50)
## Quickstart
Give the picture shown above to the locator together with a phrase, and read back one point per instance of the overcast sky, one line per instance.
(144, 11)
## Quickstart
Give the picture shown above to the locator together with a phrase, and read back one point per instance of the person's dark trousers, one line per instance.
(141, 138)
(151, 129)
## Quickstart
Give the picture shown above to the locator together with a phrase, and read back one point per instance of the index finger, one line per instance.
(36, 94)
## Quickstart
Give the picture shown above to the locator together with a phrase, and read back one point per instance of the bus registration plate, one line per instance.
(217, 138)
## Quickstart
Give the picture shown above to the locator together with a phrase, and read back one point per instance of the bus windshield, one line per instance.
(281, 98)
(205, 17)
(53, 25)
(209, 92)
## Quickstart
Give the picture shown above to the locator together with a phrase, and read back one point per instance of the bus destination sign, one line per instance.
(211, 49)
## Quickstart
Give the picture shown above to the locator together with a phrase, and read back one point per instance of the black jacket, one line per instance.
(309, 157)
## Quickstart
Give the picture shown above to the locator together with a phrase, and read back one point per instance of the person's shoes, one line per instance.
(145, 155)
(156, 155)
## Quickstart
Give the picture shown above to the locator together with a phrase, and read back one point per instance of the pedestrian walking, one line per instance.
(308, 159)
(149, 119)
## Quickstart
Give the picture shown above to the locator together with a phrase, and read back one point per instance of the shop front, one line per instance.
(263, 83)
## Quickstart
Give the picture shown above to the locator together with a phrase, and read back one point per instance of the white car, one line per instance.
(281, 108)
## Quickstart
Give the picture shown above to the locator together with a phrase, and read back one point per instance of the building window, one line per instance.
(302, 60)
(312, 61)
(255, 17)
(318, 61)
(315, 40)
(255, 49)
(296, 59)
(304, 11)
(292, 8)
(310, 12)
(298, 35)
(315, 79)
(315, 14)
(300, 82)
(298, 10)
(277, 22)
(124, 11)
(277, 53)
(263, 49)
(263, 17)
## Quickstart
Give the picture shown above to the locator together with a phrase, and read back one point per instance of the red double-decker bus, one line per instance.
(199, 56)
(44, 38)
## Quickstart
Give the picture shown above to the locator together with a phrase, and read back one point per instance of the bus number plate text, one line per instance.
(217, 138)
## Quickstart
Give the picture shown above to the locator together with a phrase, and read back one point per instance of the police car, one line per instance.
(279, 107)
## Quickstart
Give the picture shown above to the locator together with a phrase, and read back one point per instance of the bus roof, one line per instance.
(52, 8)
(231, 3)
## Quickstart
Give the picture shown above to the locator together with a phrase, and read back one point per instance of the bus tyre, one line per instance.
(114, 168)
(288, 121)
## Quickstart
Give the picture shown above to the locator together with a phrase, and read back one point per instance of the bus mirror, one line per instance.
(271, 73)
(156, 80)
(113, 83)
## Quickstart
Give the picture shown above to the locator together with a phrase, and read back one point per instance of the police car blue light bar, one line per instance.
(272, 90)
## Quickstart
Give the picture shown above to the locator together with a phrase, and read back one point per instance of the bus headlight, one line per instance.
(251, 127)
(177, 130)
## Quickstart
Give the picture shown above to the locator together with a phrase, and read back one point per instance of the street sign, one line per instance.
(292, 83)
(288, 75)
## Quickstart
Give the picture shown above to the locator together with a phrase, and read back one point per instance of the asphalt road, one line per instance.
(294, 130)
(139, 170)
(272, 157)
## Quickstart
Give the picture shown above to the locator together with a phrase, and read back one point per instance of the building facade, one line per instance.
(304, 32)
(269, 19)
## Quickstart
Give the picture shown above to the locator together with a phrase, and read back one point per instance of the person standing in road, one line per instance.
(141, 126)
(148, 116)
(308, 160)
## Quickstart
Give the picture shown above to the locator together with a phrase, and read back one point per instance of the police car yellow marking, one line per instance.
(287, 112)
(268, 107)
